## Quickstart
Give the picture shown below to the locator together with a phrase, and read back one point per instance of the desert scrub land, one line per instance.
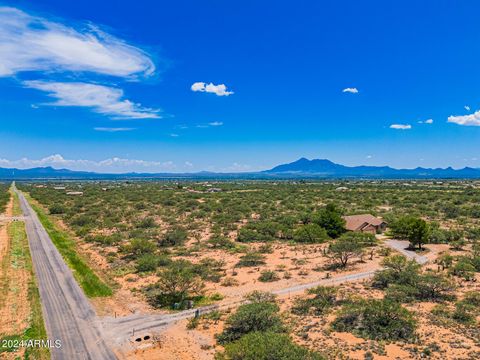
(89, 281)
(20, 307)
(171, 245)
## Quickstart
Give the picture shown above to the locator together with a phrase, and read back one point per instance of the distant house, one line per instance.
(365, 223)
(59, 187)
(214, 190)
(77, 193)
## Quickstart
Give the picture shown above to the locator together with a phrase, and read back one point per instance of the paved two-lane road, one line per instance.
(68, 315)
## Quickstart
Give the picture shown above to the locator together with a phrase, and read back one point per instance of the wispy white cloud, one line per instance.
(466, 120)
(215, 123)
(32, 43)
(466, 107)
(428, 121)
(113, 129)
(113, 165)
(101, 99)
(219, 90)
(350, 90)
(401, 126)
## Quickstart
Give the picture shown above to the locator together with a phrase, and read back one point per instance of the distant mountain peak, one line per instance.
(327, 168)
(307, 166)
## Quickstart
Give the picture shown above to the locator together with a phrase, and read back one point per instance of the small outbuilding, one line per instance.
(365, 223)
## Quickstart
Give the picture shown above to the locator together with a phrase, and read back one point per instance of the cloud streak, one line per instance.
(401, 126)
(32, 43)
(219, 90)
(112, 129)
(428, 121)
(101, 99)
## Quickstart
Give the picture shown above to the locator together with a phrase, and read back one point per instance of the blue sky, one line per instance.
(109, 85)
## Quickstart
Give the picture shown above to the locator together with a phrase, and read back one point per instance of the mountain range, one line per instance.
(302, 168)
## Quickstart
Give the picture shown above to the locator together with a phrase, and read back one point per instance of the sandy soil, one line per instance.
(14, 306)
(179, 343)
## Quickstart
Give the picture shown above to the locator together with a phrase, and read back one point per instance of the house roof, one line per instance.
(357, 222)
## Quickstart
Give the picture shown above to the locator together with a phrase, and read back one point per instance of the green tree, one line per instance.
(330, 218)
(413, 229)
(344, 249)
(176, 284)
(310, 234)
(397, 270)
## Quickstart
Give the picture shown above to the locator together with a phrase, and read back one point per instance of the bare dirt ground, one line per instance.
(179, 343)
(14, 304)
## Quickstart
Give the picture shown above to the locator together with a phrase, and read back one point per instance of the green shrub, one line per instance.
(258, 316)
(376, 320)
(147, 262)
(221, 242)
(463, 269)
(147, 223)
(251, 259)
(398, 270)
(173, 237)
(56, 209)
(138, 247)
(266, 346)
(258, 296)
(325, 298)
(268, 276)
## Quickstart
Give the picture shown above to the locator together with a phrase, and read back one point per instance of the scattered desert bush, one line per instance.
(268, 276)
(177, 284)
(376, 319)
(251, 259)
(325, 297)
(173, 237)
(266, 346)
(257, 316)
(404, 282)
